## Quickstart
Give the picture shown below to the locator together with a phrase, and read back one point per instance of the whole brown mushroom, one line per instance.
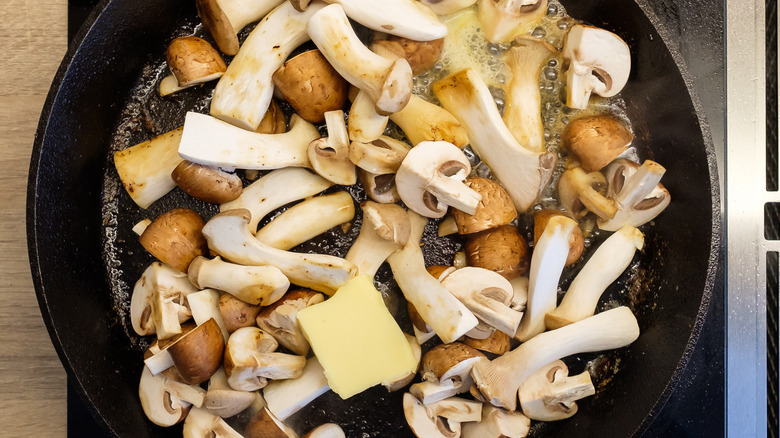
(175, 238)
(495, 208)
(237, 313)
(596, 140)
(311, 85)
(198, 354)
(502, 249)
(207, 183)
(576, 242)
(421, 55)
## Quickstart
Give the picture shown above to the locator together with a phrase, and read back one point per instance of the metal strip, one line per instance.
(745, 195)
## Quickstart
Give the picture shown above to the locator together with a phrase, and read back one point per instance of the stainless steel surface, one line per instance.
(745, 198)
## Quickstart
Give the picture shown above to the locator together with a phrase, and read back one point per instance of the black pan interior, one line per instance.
(68, 226)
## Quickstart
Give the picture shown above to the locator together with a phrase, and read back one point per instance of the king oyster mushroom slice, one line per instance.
(445, 372)
(327, 430)
(224, 19)
(307, 219)
(385, 229)
(423, 121)
(256, 285)
(406, 380)
(237, 313)
(202, 423)
(276, 189)
(522, 173)
(498, 423)
(487, 294)
(405, 18)
(192, 61)
(440, 419)
(549, 394)
(547, 262)
(364, 123)
(224, 401)
(228, 235)
(250, 360)
(244, 92)
(523, 112)
(212, 142)
(145, 169)
(158, 304)
(638, 191)
(207, 183)
(606, 264)
(431, 178)
(503, 19)
(448, 317)
(383, 155)
(166, 402)
(498, 380)
(596, 140)
(388, 83)
(599, 62)
(580, 193)
(379, 188)
(288, 396)
(265, 425)
(280, 319)
(329, 156)
(494, 209)
(446, 7)
(204, 305)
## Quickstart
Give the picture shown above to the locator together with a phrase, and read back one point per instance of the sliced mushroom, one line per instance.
(329, 156)
(256, 285)
(364, 123)
(250, 360)
(638, 191)
(497, 343)
(388, 83)
(423, 121)
(201, 422)
(381, 156)
(498, 423)
(192, 61)
(503, 19)
(421, 55)
(445, 372)
(379, 188)
(207, 183)
(327, 430)
(224, 401)
(166, 402)
(385, 229)
(423, 424)
(237, 313)
(224, 19)
(582, 192)
(204, 306)
(523, 111)
(307, 219)
(265, 425)
(522, 173)
(576, 240)
(158, 303)
(606, 264)
(498, 380)
(482, 331)
(431, 178)
(599, 62)
(549, 394)
(286, 397)
(212, 142)
(503, 250)
(494, 209)
(145, 169)
(405, 18)
(280, 319)
(596, 140)
(311, 86)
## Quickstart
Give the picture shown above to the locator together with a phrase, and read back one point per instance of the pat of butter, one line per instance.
(356, 339)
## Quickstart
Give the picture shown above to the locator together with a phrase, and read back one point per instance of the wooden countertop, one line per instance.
(33, 37)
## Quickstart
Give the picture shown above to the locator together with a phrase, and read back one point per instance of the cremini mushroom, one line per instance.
(421, 55)
(498, 380)
(498, 423)
(175, 238)
(204, 306)
(381, 156)
(209, 184)
(550, 394)
(596, 140)
(547, 262)
(250, 360)
(502, 249)
(494, 209)
(576, 240)
(197, 354)
(445, 372)
(228, 235)
(166, 402)
(311, 86)
(431, 178)
(212, 142)
(307, 219)
(265, 425)
(522, 173)
(582, 192)
(523, 111)
(448, 317)
(224, 401)
(192, 61)
(201, 422)
(280, 319)
(256, 285)
(145, 169)
(244, 92)
(158, 304)
(385, 229)
(604, 266)
(329, 156)
(497, 343)
(364, 124)
(224, 19)
(638, 192)
(423, 121)
(388, 83)
(327, 430)
(405, 18)
(379, 188)
(237, 313)
(503, 19)
(599, 62)
(288, 396)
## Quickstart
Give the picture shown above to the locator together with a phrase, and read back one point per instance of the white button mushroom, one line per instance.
(381, 156)
(250, 360)
(549, 394)
(405, 18)
(166, 402)
(638, 191)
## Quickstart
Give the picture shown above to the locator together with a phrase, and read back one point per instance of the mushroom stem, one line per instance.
(224, 19)
(577, 186)
(365, 124)
(201, 423)
(549, 394)
(381, 156)
(329, 156)
(405, 18)
(498, 380)
(423, 121)
(641, 183)
(256, 285)
(602, 269)
(638, 192)
(385, 229)
(286, 397)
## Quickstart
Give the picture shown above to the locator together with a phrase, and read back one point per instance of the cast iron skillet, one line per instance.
(68, 227)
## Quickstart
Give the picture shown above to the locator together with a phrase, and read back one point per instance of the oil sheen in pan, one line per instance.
(145, 114)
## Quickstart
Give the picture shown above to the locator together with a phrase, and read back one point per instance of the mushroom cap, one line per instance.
(576, 241)
(192, 60)
(641, 197)
(421, 55)
(311, 85)
(273, 121)
(175, 238)
(280, 318)
(227, 402)
(495, 209)
(237, 313)
(596, 140)
(389, 221)
(503, 250)
(379, 188)
(438, 363)
(497, 343)
(207, 183)
(198, 354)
(422, 424)
(217, 23)
(265, 425)
(162, 408)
